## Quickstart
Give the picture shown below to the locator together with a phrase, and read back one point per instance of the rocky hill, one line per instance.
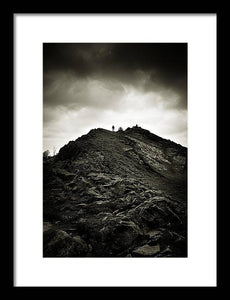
(116, 194)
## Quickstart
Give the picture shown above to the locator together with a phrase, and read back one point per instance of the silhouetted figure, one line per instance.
(113, 128)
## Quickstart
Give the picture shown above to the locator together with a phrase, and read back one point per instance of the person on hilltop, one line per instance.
(113, 128)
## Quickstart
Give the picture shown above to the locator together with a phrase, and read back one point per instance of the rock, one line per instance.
(146, 250)
(62, 173)
(166, 251)
(153, 233)
(59, 243)
(119, 234)
(47, 226)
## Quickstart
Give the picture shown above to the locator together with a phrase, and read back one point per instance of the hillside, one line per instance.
(110, 194)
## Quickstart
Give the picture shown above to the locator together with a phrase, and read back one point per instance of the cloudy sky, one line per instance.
(88, 86)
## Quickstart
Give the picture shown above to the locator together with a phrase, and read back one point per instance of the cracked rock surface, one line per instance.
(116, 194)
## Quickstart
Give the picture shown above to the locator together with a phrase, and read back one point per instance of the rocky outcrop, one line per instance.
(113, 194)
(59, 243)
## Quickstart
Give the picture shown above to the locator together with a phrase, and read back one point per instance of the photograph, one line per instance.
(115, 150)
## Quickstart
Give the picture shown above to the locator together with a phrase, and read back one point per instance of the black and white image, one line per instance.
(115, 150)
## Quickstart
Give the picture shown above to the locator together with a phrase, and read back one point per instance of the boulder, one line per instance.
(59, 243)
(146, 250)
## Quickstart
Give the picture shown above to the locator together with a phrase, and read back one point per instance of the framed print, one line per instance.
(116, 137)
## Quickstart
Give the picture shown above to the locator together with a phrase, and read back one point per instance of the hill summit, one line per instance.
(116, 194)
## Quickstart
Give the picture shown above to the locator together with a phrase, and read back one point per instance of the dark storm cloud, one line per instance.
(87, 86)
(162, 66)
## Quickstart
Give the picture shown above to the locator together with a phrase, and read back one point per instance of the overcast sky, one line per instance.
(88, 86)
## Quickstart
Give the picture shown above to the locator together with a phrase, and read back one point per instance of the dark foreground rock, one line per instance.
(111, 194)
(60, 243)
(146, 250)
